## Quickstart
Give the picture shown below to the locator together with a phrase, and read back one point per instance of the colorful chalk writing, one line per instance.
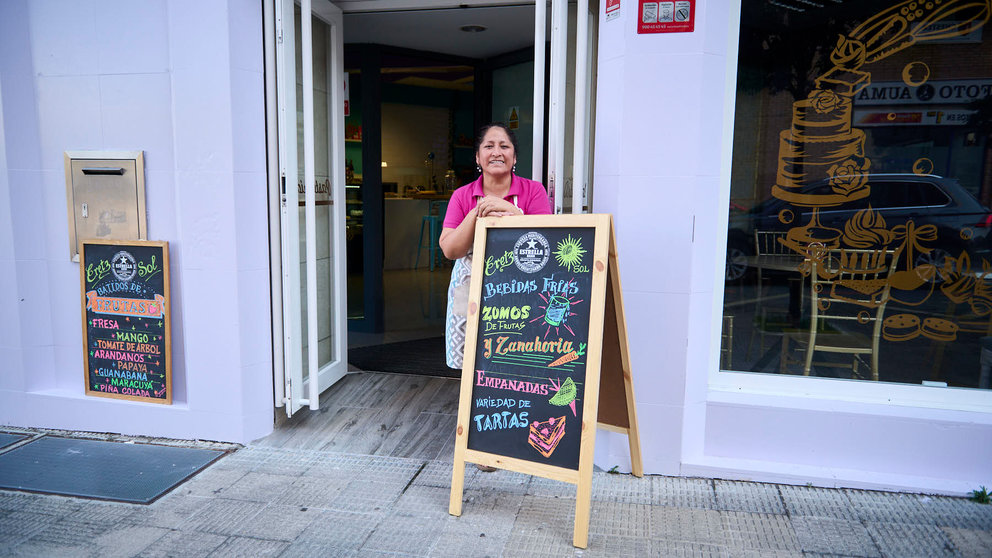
(126, 320)
(495, 265)
(532, 336)
(147, 270)
(496, 380)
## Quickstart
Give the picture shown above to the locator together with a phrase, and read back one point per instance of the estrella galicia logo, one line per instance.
(531, 252)
(123, 266)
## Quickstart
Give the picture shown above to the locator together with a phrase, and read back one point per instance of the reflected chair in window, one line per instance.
(954, 326)
(771, 255)
(769, 322)
(848, 293)
(772, 258)
(985, 373)
(727, 343)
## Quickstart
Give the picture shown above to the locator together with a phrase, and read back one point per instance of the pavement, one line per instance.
(263, 501)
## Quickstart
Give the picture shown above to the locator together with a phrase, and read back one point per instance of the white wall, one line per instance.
(664, 129)
(657, 131)
(181, 81)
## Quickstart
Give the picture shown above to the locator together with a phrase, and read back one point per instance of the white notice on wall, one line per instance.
(666, 12)
(612, 9)
(649, 12)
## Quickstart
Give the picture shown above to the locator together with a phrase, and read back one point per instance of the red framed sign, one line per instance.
(666, 17)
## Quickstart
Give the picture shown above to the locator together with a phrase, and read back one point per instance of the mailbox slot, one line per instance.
(105, 196)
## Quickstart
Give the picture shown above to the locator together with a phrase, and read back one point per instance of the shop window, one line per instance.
(863, 150)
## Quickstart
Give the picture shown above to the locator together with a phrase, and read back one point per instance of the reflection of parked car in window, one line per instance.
(962, 223)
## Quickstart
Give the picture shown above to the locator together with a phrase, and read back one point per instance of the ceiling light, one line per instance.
(473, 28)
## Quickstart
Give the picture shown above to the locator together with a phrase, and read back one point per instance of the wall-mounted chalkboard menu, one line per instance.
(546, 358)
(125, 308)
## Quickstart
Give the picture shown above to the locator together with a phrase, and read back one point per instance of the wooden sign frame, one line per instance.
(166, 316)
(608, 401)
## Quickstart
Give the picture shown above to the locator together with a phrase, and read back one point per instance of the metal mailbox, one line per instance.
(105, 196)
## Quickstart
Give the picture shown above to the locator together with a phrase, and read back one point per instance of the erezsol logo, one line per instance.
(531, 252)
(123, 266)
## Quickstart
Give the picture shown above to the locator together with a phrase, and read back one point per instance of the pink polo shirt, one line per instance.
(532, 199)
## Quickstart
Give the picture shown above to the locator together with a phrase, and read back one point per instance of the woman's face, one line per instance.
(496, 155)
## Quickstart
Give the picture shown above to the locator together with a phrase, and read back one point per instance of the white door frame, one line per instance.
(559, 121)
(293, 378)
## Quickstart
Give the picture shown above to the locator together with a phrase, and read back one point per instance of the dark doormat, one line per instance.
(420, 356)
(7, 439)
(136, 473)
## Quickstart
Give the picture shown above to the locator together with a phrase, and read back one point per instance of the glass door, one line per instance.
(571, 106)
(310, 108)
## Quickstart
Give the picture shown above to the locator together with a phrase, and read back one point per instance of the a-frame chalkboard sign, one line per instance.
(546, 357)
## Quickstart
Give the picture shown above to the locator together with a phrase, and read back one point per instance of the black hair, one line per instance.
(485, 129)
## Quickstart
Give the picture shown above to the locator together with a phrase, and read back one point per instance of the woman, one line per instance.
(497, 192)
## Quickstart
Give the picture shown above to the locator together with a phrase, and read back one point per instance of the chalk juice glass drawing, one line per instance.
(557, 310)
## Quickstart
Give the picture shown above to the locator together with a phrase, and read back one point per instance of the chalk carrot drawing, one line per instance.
(565, 395)
(569, 357)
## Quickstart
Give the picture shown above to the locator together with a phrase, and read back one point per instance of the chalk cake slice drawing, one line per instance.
(565, 395)
(545, 436)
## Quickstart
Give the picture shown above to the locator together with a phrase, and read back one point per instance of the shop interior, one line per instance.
(420, 83)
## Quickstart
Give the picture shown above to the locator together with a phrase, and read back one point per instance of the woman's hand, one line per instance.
(492, 206)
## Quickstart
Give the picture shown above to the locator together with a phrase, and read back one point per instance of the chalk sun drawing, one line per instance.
(569, 253)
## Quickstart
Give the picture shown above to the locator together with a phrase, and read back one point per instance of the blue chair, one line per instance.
(432, 223)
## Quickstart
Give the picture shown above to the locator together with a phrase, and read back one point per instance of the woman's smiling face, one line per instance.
(496, 154)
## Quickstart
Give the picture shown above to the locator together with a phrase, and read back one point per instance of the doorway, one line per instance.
(352, 265)
(410, 131)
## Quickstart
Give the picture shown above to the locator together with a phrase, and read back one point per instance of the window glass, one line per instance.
(859, 244)
(931, 195)
(894, 194)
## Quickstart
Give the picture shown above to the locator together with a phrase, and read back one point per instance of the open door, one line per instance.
(571, 103)
(309, 227)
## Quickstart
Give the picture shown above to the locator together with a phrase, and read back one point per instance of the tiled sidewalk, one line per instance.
(262, 501)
